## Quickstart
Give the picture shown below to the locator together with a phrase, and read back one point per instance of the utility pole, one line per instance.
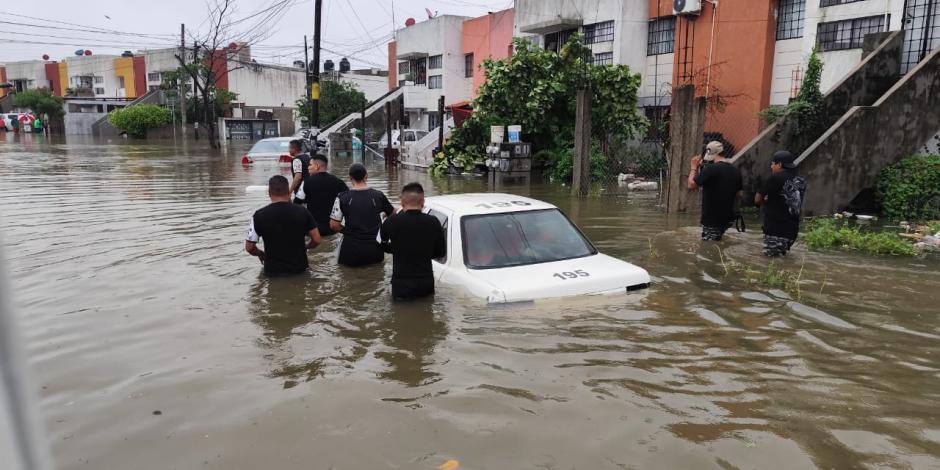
(581, 173)
(307, 80)
(315, 86)
(389, 151)
(179, 79)
(440, 124)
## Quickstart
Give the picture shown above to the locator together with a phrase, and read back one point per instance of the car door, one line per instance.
(440, 265)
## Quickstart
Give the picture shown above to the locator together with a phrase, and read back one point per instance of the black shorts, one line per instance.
(411, 289)
(353, 253)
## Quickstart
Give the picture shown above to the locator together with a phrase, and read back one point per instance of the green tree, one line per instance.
(41, 102)
(138, 119)
(805, 112)
(337, 100)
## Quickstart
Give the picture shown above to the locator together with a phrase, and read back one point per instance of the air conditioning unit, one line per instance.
(686, 7)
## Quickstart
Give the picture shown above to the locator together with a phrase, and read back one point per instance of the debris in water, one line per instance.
(157, 412)
(449, 465)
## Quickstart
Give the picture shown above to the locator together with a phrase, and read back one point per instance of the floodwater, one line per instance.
(158, 345)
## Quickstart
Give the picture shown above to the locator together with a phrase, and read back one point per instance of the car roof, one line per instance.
(486, 203)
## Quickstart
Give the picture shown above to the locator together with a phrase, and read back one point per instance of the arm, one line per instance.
(315, 239)
(384, 232)
(693, 181)
(251, 241)
(759, 199)
(297, 168)
(336, 217)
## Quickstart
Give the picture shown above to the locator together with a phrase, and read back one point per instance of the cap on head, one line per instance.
(713, 149)
(357, 172)
(785, 158)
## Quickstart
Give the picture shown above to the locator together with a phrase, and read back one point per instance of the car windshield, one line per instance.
(521, 238)
(270, 146)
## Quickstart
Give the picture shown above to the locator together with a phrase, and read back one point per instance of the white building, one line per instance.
(27, 75)
(836, 27)
(431, 64)
(95, 73)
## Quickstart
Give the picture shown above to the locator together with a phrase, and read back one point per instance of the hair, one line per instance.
(358, 172)
(320, 158)
(412, 194)
(297, 144)
(278, 186)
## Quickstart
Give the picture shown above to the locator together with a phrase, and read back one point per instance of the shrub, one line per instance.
(562, 165)
(828, 233)
(136, 120)
(910, 189)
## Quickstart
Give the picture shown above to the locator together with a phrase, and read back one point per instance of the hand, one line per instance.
(261, 257)
(696, 162)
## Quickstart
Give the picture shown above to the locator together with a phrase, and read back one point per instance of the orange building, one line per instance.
(486, 37)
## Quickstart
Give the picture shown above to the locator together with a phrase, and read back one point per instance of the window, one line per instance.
(468, 65)
(404, 67)
(153, 77)
(521, 238)
(435, 81)
(604, 58)
(120, 82)
(555, 41)
(435, 62)
(443, 220)
(848, 34)
(829, 3)
(433, 120)
(791, 16)
(99, 91)
(99, 79)
(599, 32)
(420, 71)
(662, 36)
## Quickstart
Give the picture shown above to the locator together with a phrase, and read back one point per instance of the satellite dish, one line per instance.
(409, 22)
(233, 46)
(678, 5)
(80, 52)
(45, 57)
(87, 51)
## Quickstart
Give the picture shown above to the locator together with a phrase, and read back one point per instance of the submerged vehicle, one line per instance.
(507, 248)
(270, 150)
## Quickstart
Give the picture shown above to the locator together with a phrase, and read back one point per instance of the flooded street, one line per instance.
(158, 344)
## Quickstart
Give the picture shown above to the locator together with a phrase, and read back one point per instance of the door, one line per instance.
(921, 31)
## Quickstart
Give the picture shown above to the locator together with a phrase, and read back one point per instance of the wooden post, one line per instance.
(440, 127)
(389, 151)
(581, 173)
(686, 131)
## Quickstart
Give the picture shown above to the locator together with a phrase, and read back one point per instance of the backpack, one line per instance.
(792, 193)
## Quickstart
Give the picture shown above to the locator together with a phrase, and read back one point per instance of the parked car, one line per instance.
(272, 150)
(410, 136)
(507, 248)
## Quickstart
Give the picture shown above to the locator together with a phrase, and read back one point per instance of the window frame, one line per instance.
(607, 59)
(661, 36)
(791, 23)
(101, 92)
(829, 40)
(436, 62)
(150, 76)
(832, 3)
(599, 32)
(440, 82)
(468, 65)
(404, 67)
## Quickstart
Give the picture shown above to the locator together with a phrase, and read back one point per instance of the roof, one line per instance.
(487, 203)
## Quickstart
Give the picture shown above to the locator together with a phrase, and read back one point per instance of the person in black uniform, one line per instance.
(321, 189)
(298, 166)
(283, 227)
(358, 215)
(782, 199)
(721, 186)
(414, 239)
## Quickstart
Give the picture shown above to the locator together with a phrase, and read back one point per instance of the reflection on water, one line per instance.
(137, 297)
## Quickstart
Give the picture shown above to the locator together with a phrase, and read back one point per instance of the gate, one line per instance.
(922, 31)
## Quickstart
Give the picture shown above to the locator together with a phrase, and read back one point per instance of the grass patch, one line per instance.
(773, 276)
(830, 233)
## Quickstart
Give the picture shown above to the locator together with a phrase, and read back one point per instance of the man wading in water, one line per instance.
(283, 226)
(321, 189)
(298, 168)
(414, 239)
(721, 187)
(782, 198)
(358, 214)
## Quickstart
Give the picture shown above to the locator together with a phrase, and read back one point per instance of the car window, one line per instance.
(521, 238)
(421, 134)
(442, 218)
(270, 146)
(409, 136)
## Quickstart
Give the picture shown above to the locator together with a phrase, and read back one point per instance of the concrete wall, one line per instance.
(487, 37)
(848, 158)
(373, 86)
(267, 86)
(98, 66)
(438, 36)
(788, 58)
(81, 123)
(33, 71)
(865, 84)
(656, 87)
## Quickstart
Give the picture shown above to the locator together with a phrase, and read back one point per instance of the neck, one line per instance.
(411, 208)
(280, 199)
(359, 185)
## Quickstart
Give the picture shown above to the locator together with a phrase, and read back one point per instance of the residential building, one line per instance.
(487, 37)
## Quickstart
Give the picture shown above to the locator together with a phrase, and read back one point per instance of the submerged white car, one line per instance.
(506, 248)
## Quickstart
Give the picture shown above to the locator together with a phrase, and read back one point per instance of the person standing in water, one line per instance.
(321, 189)
(414, 239)
(284, 227)
(358, 215)
(782, 200)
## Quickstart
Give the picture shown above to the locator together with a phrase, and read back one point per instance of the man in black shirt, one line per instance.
(298, 167)
(414, 239)
(282, 226)
(721, 186)
(321, 189)
(358, 215)
(782, 200)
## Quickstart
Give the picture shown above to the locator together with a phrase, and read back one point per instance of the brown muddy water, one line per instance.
(158, 345)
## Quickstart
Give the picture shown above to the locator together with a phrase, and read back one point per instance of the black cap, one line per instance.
(785, 158)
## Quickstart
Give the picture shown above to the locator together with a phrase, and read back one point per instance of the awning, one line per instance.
(460, 111)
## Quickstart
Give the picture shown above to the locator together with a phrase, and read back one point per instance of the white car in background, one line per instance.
(271, 150)
(399, 137)
(506, 248)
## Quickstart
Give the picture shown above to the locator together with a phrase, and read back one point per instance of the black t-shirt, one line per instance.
(778, 221)
(282, 226)
(321, 190)
(414, 239)
(361, 211)
(720, 183)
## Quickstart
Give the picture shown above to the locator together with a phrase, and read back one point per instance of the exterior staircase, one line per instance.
(103, 128)
(344, 123)
(420, 155)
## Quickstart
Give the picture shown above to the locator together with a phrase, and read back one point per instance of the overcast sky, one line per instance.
(358, 29)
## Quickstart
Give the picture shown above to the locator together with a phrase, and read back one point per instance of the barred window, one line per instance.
(662, 36)
(435, 62)
(404, 67)
(468, 65)
(99, 91)
(829, 3)
(555, 41)
(791, 17)
(848, 34)
(153, 77)
(99, 79)
(599, 32)
(435, 81)
(604, 58)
